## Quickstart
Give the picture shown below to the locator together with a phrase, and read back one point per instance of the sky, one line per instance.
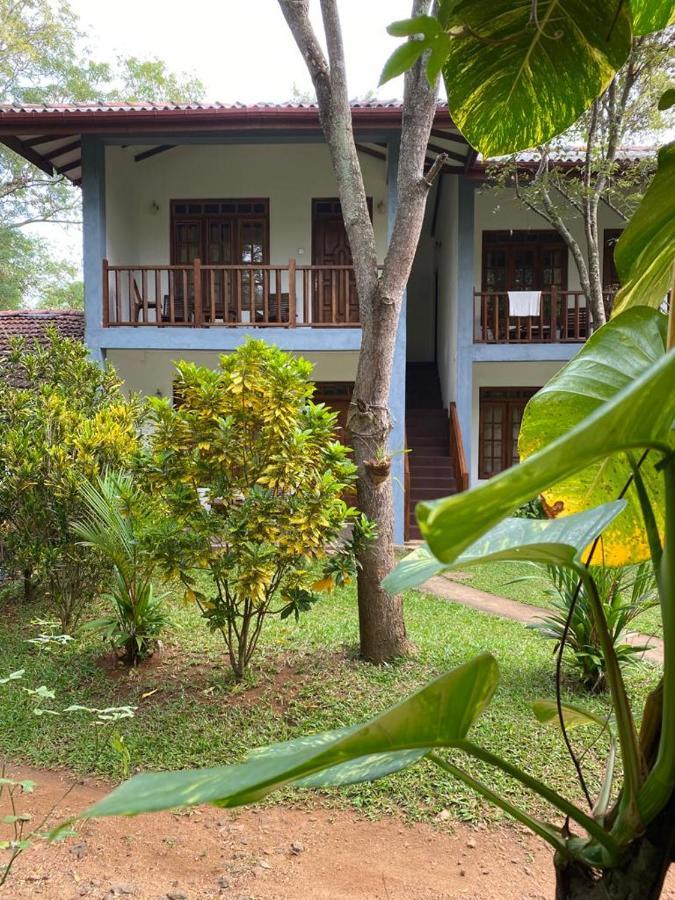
(240, 49)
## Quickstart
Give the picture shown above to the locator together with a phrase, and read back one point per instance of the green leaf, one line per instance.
(514, 84)
(402, 59)
(651, 15)
(552, 541)
(608, 364)
(546, 712)
(426, 25)
(439, 715)
(616, 394)
(667, 99)
(645, 252)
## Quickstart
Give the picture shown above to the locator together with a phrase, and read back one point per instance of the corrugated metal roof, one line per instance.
(575, 154)
(49, 135)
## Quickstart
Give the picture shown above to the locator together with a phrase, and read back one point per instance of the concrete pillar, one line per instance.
(465, 315)
(397, 391)
(94, 239)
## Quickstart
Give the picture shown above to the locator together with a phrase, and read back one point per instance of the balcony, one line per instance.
(562, 318)
(204, 296)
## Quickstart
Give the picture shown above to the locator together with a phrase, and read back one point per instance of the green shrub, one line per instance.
(253, 478)
(63, 419)
(625, 593)
(119, 523)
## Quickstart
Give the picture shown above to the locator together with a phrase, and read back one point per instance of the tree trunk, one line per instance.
(382, 629)
(640, 875)
(28, 587)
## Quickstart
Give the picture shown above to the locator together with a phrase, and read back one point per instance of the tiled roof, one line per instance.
(177, 107)
(575, 154)
(33, 323)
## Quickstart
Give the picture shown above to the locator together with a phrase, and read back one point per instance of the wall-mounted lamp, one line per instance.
(380, 206)
(154, 207)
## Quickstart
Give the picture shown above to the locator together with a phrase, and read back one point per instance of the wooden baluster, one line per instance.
(266, 283)
(105, 312)
(144, 288)
(554, 313)
(305, 296)
(251, 299)
(576, 316)
(333, 297)
(292, 311)
(529, 330)
(495, 300)
(159, 299)
(239, 294)
(346, 294)
(118, 299)
(197, 277)
(187, 312)
(482, 299)
(212, 296)
(130, 295)
(172, 299)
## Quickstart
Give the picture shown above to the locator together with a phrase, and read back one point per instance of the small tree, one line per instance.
(62, 419)
(253, 477)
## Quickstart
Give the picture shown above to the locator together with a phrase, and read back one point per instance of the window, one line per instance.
(501, 412)
(610, 278)
(523, 260)
(220, 232)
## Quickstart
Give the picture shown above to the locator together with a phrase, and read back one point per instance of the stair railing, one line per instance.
(406, 491)
(457, 449)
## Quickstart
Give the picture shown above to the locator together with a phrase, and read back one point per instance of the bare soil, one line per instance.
(274, 852)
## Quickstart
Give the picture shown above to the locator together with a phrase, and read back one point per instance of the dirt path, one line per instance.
(447, 587)
(273, 853)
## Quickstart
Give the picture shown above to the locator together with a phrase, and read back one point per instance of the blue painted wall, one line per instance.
(397, 390)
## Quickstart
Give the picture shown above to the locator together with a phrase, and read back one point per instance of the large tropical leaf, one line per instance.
(622, 400)
(553, 541)
(645, 252)
(439, 715)
(651, 15)
(610, 361)
(514, 80)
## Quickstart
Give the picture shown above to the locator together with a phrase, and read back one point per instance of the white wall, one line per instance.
(290, 175)
(507, 374)
(151, 372)
(498, 210)
(421, 292)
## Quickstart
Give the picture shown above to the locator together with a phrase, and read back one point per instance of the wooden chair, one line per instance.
(140, 305)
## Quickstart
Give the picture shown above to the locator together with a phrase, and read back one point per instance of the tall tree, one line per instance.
(43, 59)
(382, 628)
(627, 112)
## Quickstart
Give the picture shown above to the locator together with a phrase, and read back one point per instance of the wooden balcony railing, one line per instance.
(457, 449)
(563, 318)
(197, 296)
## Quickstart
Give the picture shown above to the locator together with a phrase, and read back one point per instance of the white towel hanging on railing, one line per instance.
(524, 303)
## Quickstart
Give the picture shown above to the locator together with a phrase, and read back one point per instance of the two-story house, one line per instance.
(207, 223)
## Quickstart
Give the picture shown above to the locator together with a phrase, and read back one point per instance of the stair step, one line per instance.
(427, 440)
(426, 459)
(445, 482)
(417, 494)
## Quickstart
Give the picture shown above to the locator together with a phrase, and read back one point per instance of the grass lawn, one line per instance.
(306, 679)
(522, 582)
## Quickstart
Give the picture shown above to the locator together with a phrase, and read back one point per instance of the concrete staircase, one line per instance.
(432, 470)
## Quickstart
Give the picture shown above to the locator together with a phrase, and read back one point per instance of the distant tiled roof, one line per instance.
(575, 154)
(33, 323)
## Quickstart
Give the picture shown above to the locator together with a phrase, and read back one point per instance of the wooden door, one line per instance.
(218, 251)
(334, 298)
